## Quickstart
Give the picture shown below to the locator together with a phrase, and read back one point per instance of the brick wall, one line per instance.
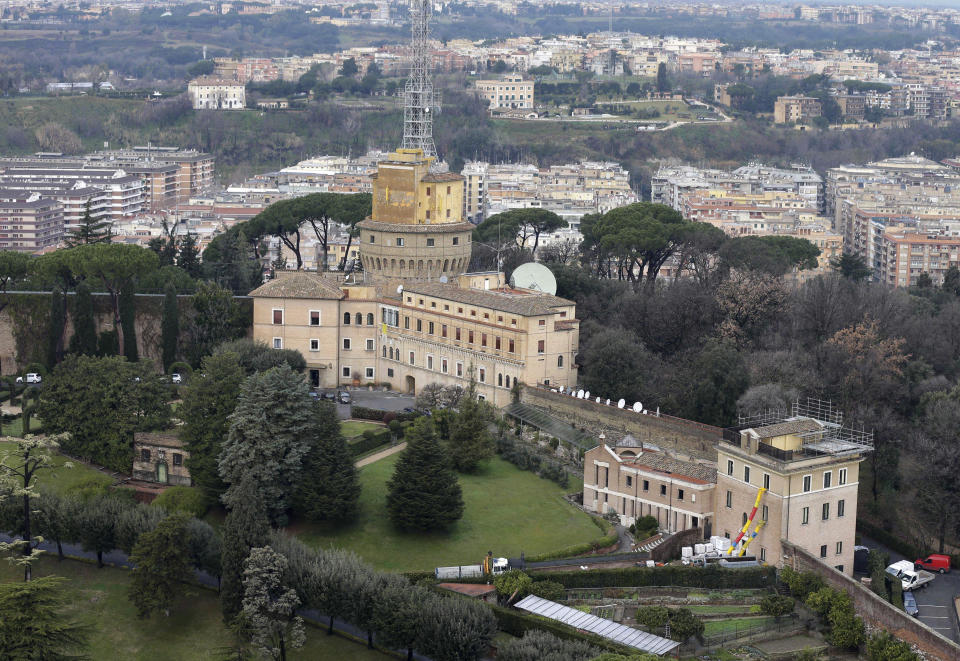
(668, 433)
(876, 612)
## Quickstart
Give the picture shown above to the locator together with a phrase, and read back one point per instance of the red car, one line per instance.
(934, 562)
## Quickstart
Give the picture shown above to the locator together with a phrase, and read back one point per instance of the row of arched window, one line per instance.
(503, 380)
(449, 266)
(359, 319)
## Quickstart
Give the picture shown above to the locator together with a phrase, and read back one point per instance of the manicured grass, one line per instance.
(713, 627)
(61, 478)
(352, 428)
(507, 511)
(194, 630)
(723, 610)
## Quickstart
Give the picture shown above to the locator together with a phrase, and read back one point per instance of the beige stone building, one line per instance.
(789, 109)
(209, 93)
(511, 91)
(29, 223)
(160, 457)
(636, 482)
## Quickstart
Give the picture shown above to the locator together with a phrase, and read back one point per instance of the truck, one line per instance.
(933, 562)
(490, 566)
(910, 579)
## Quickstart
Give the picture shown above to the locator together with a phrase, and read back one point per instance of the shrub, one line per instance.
(776, 605)
(513, 581)
(370, 440)
(542, 645)
(711, 578)
(183, 499)
(550, 590)
(801, 584)
(181, 368)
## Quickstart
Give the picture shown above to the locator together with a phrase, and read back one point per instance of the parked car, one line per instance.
(176, 378)
(315, 395)
(330, 396)
(910, 604)
(934, 562)
(32, 377)
(344, 397)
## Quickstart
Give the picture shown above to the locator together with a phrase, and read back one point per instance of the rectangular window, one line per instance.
(629, 480)
(370, 346)
(646, 485)
(406, 323)
(278, 343)
(443, 365)
(663, 489)
(746, 474)
(805, 516)
(429, 362)
(430, 243)
(483, 375)
(459, 369)
(826, 511)
(430, 327)
(510, 347)
(729, 466)
(178, 461)
(542, 322)
(827, 479)
(390, 372)
(399, 241)
(412, 358)
(469, 337)
(823, 551)
(456, 240)
(346, 344)
(345, 372)
(496, 343)
(541, 346)
(839, 544)
(144, 455)
(842, 476)
(729, 499)
(419, 325)
(763, 554)
(765, 514)
(314, 317)
(679, 494)
(277, 317)
(841, 507)
(443, 330)
(314, 345)
(368, 373)
(766, 481)
(807, 483)
(373, 239)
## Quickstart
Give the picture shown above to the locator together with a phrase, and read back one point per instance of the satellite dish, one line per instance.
(400, 289)
(580, 394)
(444, 279)
(621, 403)
(586, 395)
(637, 407)
(598, 400)
(534, 276)
(608, 402)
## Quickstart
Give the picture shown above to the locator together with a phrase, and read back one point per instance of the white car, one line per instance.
(32, 377)
(176, 378)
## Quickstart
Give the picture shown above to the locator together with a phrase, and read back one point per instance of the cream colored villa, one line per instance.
(414, 317)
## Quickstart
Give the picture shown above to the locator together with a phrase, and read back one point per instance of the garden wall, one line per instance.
(666, 432)
(876, 612)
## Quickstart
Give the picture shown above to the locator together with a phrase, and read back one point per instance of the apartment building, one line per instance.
(475, 192)
(210, 93)
(508, 92)
(29, 223)
(904, 256)
(634, 482)
(793, 109)
(671, 184)
(807, 466)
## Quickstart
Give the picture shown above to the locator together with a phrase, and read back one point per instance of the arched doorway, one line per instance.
(411, 386)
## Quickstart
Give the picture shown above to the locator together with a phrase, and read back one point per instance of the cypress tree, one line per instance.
(245, 527)
(470, 439)
(423, 493)
(170, 326)
(84, 339)
(329, 487)
(55, 333)
(128, 318)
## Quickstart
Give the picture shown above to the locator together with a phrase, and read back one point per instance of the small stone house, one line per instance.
(159, 457)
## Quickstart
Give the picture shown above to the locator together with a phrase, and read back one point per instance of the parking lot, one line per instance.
(377, 399)
(935, 601)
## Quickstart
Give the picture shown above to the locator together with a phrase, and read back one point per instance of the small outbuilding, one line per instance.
(160, 458)
(485, 593)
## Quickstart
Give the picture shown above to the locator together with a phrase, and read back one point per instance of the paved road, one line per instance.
(377, 399)
(377, 456)
(935, 601)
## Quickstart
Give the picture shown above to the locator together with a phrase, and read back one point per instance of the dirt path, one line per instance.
(377, 456)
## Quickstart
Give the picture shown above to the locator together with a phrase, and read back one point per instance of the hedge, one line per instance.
(711, 578)
(370, 440)
(609, 539)
(514, 622)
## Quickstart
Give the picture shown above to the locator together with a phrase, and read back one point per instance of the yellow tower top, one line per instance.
(406, 192)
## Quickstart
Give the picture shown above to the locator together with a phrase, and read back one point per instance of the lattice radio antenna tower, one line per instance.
(419, 100)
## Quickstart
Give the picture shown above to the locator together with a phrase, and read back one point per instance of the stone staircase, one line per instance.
(650, 543)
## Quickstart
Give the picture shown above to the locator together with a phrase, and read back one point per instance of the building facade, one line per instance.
(791, 109)
(509, 92)
(29, 223)
(207, 93)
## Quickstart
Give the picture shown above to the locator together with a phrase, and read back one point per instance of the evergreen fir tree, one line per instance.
(245, 527)
(89, 231)
(84, 339)
(470, 439)
(170, 326)
(161, 563)
(55, 331)
(188, 255)
(423, 493)
(207, 403)
(128, 318)
(36, 621)
(329, 487)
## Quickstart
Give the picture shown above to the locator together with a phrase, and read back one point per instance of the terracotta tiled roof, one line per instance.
(788, 427)
(682, 470)
(299, 284)
(167, 439)
(528, 304)
(442, 176)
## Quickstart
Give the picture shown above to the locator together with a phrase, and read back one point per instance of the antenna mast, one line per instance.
(419, 102)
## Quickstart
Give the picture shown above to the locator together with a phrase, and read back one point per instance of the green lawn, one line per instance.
(507, 511)
(353, 428)
(61, 478)
(724, 610)
(713, 627)
(194, 630)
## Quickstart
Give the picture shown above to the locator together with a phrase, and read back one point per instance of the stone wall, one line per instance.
(876, 612)
(684, 437)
